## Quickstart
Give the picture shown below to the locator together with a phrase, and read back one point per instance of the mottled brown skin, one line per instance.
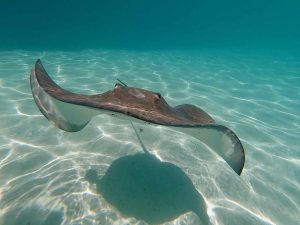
(136, 102)
(139, 103)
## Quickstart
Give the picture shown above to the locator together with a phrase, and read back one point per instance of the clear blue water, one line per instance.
(239, 62)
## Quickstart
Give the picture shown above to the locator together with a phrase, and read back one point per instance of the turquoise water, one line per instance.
(239, 61)
(42, 168)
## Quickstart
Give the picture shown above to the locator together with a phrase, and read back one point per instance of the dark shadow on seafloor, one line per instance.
(143, 187)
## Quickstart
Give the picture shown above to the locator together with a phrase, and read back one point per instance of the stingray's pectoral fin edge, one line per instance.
(66, 116)
(236, 157)
(222, 141)
(229, 148)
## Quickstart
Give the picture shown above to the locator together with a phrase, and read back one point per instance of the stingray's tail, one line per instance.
(122, 82)
(139, 138)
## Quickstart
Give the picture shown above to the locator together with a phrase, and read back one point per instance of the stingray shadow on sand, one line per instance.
(148, 189)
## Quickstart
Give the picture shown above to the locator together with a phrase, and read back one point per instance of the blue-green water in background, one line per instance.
(237, 60)
(136, 24)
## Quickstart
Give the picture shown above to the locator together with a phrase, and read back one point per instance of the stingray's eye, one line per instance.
(157, 95)
(117, 85)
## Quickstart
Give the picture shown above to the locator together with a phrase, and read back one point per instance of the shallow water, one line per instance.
(42, 169)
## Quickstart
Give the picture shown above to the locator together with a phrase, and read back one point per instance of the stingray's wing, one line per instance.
(221, 140)
(66, 116)
(73, 117)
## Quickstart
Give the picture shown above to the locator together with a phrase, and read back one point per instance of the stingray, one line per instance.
(144, 187)
(72, 112)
